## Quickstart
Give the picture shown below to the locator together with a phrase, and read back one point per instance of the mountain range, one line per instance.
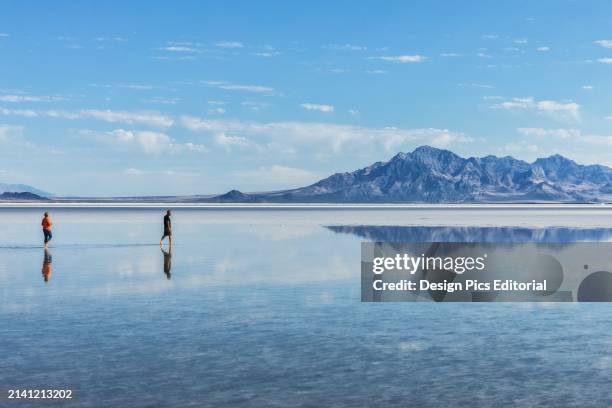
(425, 175)
(431, 175)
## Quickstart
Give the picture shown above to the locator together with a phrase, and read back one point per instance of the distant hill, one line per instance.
(231, 196)
(22, 188)
(430, 175)
(8, 195)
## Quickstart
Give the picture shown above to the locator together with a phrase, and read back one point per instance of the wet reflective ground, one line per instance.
(261, 308)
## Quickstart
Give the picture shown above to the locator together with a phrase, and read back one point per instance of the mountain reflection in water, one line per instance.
(473, 234)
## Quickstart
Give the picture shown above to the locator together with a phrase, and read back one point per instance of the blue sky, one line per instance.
(117, 98)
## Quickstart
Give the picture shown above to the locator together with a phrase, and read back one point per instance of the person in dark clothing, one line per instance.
(167, 229)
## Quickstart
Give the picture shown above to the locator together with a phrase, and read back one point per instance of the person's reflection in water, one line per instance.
(167, 262)
(47, 268)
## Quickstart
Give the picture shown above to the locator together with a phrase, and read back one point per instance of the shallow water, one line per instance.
(261, 308)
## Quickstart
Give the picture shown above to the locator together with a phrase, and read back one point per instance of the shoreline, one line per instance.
(300, 206)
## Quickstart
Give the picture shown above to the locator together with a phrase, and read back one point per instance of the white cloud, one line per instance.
(30, 98)
(403, 58)
(11, 136)
(556, 133)
(568, 135)
(266, 54)
(604, 43)
(150, 118)
(490, 36)
(95, 85)
(185, 43)
(216, 111)
(9, 131)
(138, 87)
(515, 103)
(376, 71)
(192, 147)
(327, 138)
(278, 176)
(174, 48)
(246, 88)
(353, 112)
(520, 41)
(346, 47)
(229, 44)
(597, 140)
(254, 105)
(147, 141)
(587, 87)
(178, 58)
(520, 147)
(543, 49)
(228, 142)
(145, 118)
(477, 85)
(605, 60)
(26, 113)
(161, 100)
(318, 107)
(151, 142)
(110, 39)
(134, 172)
(571, 108)
(561, 109)
(450, 54)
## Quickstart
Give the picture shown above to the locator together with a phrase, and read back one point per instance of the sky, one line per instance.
(112, 98)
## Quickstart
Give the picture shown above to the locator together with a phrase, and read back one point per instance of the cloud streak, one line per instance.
(229, 44)
(150, 118)
(178, 48)
(318, 107)
(345, 47)
(30, 98)
(402, 59)
(244, 88)
(561, 109)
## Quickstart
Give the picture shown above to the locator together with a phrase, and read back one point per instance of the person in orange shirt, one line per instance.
(47, 267)
(46, 227)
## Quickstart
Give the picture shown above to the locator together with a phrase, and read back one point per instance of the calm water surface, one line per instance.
(261, 308)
